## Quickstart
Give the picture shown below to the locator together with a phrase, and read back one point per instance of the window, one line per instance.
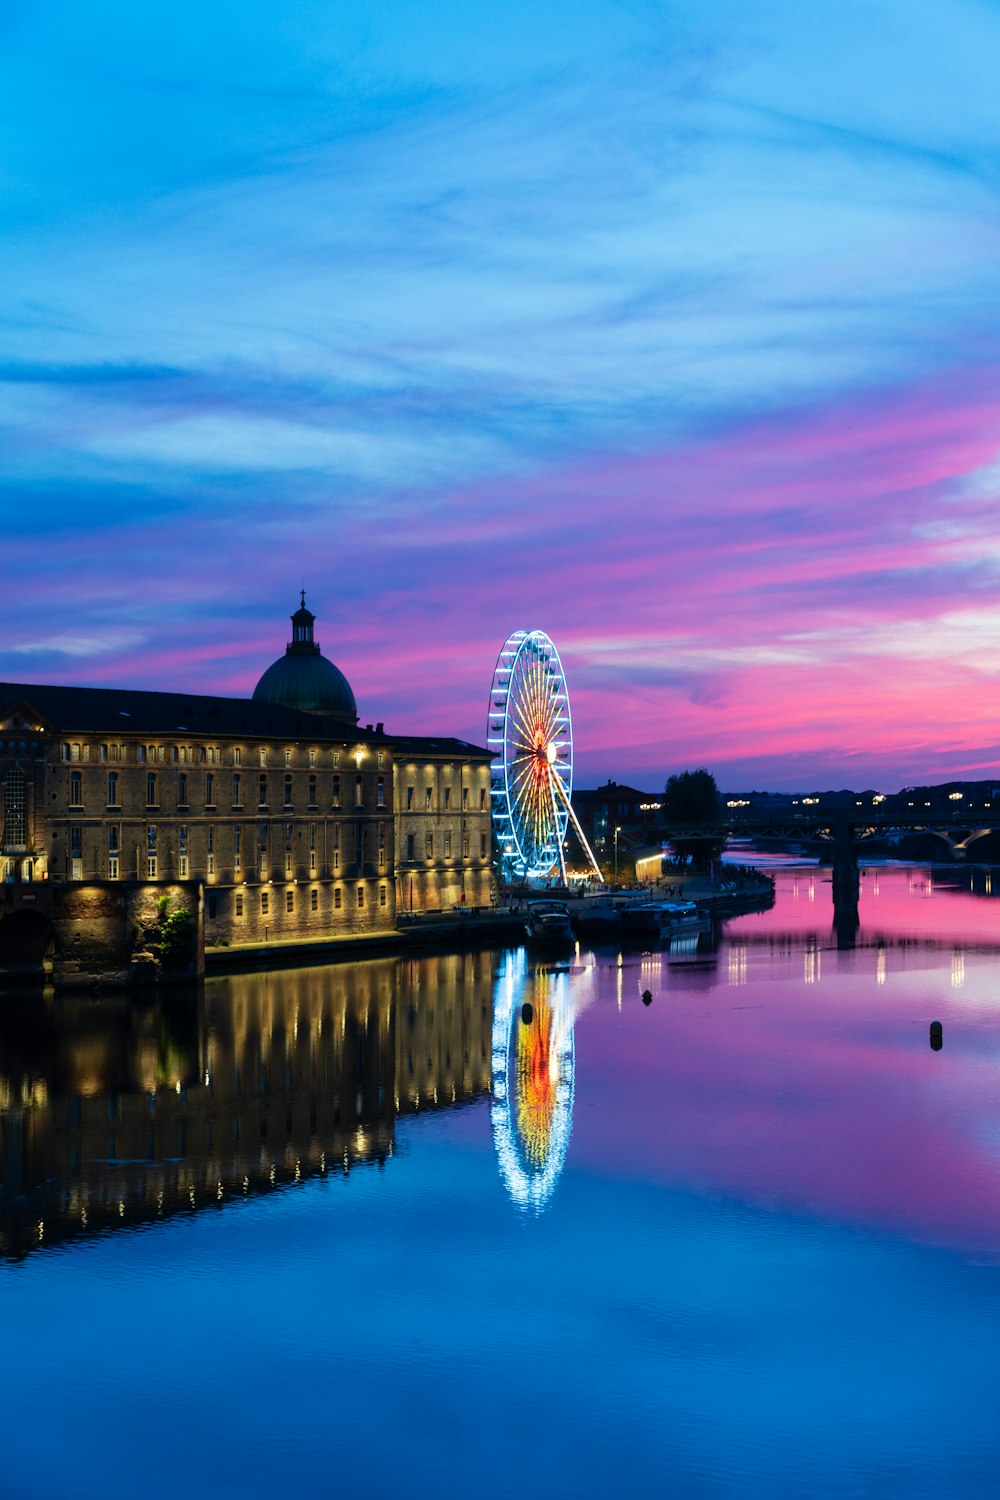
(359, 792)
(202, 755)
(102, 753)
(409, 797)
(75, 788)
(150, 788)
(381, 846)
(447, 846)
(447, 798)
(76, 853)
(264, 903)
(381, 895)
(182, 852)
(74, 752)
(409, 846)
(289, 901)
(336, 758)
(237, 848)
(312, 791)
(336, 848)
(288, 757)
(337, 898)
(237, 789)
(427, 799)
(314, 900)
(312, 758)
(361, 895)
(380, 792)
(237, 755)
(482, 798)
(482, 846)
(312, 847)
(465, 846)
(262, 791)
(288, 791)
(114, 867)
(151, 852)
(211, 851)
(263, 844)
(335, 793)
(429, 846)
(213, 904)
(262, 756)
(210, 789)
(64, 751)
(239, 904)
(15, 809)
(182, 789)
(141, 754)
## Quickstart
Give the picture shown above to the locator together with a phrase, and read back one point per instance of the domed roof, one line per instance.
(303, 678)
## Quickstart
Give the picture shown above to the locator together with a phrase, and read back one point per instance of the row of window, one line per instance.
(446, 794)
(429, 846)
(236, 788)
(264, 834)
(242, 899)
(200, 755)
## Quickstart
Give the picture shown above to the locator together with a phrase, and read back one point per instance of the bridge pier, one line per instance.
(846, 882)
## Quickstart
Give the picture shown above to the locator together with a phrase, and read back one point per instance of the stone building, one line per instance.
(284, 810)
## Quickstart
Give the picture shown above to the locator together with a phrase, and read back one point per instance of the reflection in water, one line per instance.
(114, 1113)
(533, 1066)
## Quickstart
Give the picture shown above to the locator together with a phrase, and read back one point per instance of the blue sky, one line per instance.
(670, 329)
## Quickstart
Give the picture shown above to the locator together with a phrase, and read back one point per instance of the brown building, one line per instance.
(286, 812)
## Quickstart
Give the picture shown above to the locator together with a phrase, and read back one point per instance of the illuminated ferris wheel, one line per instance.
(531, 775)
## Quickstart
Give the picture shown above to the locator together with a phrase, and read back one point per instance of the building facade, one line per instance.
(287, 812)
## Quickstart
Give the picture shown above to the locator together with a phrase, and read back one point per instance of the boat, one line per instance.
(547, 925)
(595, 914)
(659, 921)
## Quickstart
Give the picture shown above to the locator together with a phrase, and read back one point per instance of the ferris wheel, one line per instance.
(530, 733)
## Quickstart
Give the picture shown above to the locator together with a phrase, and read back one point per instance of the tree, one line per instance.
(692, 797)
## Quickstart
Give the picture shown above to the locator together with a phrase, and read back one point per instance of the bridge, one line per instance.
(842, 833)
(839, 837)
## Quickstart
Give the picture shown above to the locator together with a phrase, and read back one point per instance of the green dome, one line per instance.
(303, 678)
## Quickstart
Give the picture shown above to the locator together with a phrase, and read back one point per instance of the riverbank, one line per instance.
(451, 930)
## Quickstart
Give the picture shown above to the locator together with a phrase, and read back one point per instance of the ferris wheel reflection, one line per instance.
(533, 1075)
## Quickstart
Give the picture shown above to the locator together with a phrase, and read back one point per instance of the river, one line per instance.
(723, 1221)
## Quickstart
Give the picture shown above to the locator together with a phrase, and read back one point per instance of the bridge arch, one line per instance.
(27, 943)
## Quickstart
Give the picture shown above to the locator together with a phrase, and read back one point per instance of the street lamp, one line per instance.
(617, 832)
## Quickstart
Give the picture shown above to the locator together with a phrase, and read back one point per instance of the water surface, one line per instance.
(377, 1229)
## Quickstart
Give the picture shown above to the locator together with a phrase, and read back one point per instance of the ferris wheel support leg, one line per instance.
(578, 830)
(555, 824)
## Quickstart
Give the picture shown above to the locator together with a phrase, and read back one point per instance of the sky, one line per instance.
(671, 329)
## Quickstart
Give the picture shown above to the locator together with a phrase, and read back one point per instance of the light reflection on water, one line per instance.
(377, 1227)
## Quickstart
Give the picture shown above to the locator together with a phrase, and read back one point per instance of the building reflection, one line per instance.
(116, 1114)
